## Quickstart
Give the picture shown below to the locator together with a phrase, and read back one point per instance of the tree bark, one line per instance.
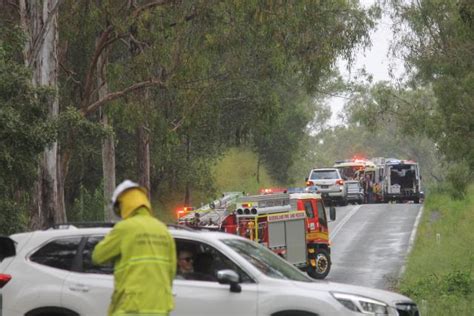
(143, 156)
(40, 22)
(108, 168)
(108, 144)
(187, 194)
(143, 135)
(258, 168)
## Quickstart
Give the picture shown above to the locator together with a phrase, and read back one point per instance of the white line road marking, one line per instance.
(410, 242)
(344, 220)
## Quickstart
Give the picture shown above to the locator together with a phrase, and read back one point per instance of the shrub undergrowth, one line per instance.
(439, 274)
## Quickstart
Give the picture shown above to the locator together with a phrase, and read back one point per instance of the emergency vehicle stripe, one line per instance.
(139, 260)
(316, 235)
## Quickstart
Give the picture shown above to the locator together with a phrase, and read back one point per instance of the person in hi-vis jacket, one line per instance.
(144, 256)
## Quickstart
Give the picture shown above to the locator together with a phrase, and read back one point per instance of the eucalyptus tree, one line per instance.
(436, 40)
(221, 64)
(202, 75)
(25, 129)
(39, 23)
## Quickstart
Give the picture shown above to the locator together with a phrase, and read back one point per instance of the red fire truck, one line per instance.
(294, 226)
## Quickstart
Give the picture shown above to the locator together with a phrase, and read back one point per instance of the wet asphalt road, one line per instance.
(369, 243)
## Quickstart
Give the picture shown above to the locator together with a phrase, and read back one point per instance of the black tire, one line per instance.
(416, 201)
(323, 264)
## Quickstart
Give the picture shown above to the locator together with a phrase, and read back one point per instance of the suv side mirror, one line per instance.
(7, 247)
(231, 277)
(332, 213)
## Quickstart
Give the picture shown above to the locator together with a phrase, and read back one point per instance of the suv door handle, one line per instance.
(79, 287)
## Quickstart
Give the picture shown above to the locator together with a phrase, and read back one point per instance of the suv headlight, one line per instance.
(364, 305)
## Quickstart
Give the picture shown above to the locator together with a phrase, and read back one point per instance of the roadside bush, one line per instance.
(458, 179)
(440, 294)
(13, 217)
(457, 282)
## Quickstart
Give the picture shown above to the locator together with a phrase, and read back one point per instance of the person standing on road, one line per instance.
(368, 188)
(144, 256)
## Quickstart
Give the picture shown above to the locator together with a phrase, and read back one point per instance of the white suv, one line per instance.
(329, 181)
(50, 273)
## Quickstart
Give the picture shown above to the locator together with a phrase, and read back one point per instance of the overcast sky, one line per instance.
(375, 60)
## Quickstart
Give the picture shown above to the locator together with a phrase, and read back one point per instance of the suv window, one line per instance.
(87, 265)
(324, 174)
(58, 253)
(206, 262)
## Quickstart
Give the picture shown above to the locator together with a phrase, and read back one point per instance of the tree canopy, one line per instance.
(186, 79)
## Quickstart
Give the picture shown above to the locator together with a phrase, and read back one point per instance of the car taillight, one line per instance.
(340, 182)
(309, 183)
(4, 278)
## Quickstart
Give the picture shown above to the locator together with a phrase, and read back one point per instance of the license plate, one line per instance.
(324, 186)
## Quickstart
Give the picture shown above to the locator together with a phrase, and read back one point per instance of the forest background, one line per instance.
(192, 98)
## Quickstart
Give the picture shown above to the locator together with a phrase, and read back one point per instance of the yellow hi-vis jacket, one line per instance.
(144, 256)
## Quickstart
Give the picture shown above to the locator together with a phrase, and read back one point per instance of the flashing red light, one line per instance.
(4, 279)
(309, 183)
(340, 182)
(180, 213)
(272, 190)
(188, 209)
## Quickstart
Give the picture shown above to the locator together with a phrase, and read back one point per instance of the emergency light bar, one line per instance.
(183, 211)
(272, 190)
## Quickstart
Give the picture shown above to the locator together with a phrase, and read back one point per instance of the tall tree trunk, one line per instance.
(258, 167)
(108, 144)
(143, 156)
(187, 193)
(40, 23)
(143, 135)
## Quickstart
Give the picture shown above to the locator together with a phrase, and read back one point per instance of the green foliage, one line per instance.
(231, 73)
(24, 130)
(237, 171)
(236, 73)
(459, 177)
(13, 216)
(436, 40)
(88, 207)
(439, 270)
(455, 283)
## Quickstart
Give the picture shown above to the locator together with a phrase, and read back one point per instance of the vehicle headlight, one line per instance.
(363, 304)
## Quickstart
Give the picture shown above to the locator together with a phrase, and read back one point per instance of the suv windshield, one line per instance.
(266, 261)
(324, 174)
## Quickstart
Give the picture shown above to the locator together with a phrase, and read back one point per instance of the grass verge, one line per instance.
(439, 274)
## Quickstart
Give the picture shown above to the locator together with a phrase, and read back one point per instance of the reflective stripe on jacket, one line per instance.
(144, 256)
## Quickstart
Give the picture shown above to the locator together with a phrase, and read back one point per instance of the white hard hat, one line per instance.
(122, 187)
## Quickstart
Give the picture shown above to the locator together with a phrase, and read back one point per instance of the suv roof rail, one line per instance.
(69, 225)
(180, 226)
